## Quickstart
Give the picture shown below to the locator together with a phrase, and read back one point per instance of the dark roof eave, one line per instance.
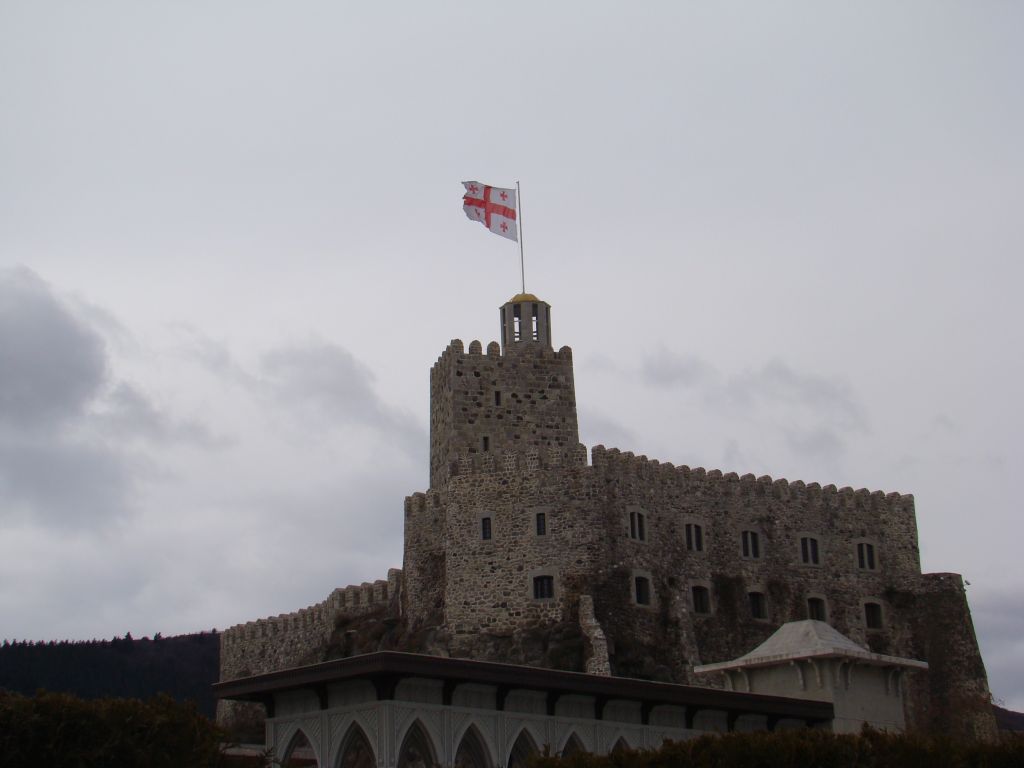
(405, 665)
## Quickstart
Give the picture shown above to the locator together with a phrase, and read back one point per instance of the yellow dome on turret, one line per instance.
(519, 298)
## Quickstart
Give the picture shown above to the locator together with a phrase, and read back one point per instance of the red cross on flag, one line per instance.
(493, 207)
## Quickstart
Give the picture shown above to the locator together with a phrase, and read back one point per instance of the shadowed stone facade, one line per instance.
(523, 552)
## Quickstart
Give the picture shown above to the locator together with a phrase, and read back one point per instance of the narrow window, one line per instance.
(485, 528)
(534, 321)
(516, 323)
(643, 590)
(543, 587)
(758, 605)
(542, 524)
(497, 397)
(751, 545)
(485, 443)
(872, 615)
(816, 609)
(637, 526)
(809, 550)
(866, 556)
(694, 537)
(701, 599)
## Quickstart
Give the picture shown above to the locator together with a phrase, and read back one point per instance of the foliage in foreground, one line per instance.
(807, 749)
(57, 730)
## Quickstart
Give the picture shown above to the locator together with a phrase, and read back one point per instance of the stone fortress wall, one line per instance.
(588, 549)
(504, 448)
(293, 639)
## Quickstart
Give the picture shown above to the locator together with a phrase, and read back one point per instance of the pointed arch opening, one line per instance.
(472, 751)
(417, 750)
(356, 751)
(573, 746)
(621, 745)
(299, 753)
(523, 749)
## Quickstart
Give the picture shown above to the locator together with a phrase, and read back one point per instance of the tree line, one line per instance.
(182, 667)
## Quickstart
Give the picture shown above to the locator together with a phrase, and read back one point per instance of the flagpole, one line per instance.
(519, 220)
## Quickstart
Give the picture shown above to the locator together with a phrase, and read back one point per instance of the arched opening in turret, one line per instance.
(525, 320)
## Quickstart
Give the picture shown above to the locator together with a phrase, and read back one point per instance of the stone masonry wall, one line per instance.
(292, 639)
(516, 401)
(587, 548)
(943, 633)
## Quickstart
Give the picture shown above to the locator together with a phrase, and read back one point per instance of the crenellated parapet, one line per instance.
(285, 640)
(611, 461)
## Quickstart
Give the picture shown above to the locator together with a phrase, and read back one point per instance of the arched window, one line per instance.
(621, 745)
(416, 751)
(472, 752)
(573, 746)
(522, 749)
(299, 753)
(356, 751)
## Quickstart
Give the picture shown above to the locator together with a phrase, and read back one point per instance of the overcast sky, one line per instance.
(781, 238)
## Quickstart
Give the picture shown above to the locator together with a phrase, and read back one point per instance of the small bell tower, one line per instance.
(525, 324)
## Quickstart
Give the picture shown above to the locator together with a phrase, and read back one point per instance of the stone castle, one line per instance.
(523, 552)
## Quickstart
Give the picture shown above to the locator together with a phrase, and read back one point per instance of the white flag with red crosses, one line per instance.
(493, 207)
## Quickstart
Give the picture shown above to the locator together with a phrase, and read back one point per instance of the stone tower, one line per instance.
(517, 397)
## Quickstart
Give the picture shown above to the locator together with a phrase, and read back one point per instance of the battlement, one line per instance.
(714, 481)
(248, 648)
(456, 349)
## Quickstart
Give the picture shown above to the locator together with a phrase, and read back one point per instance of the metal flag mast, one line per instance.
(519, 221)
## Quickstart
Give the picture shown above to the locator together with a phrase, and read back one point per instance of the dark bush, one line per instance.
(807, 749)
(58, 729)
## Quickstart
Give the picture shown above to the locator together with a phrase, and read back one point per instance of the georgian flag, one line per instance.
(493, 207)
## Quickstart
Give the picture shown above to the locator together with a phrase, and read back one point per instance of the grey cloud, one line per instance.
(51, 365)
(127, 413)
(64, 425)
(68, 483)
(773, 384)
(326, 383)
(821, 442)
(668, 369)
(812, 412)
(778, 383)
(596, 429)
